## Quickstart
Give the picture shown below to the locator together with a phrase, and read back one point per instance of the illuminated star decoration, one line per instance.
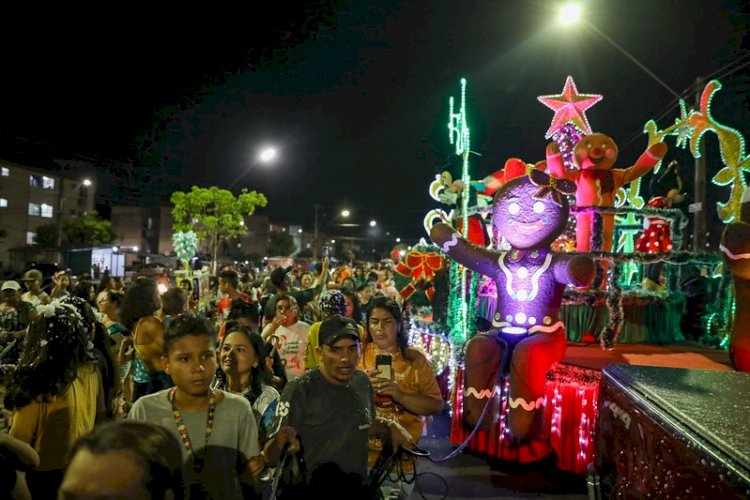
(570, 106)
(684, 129)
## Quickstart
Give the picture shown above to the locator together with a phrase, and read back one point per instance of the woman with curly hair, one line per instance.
(138, 314)
(56, 393)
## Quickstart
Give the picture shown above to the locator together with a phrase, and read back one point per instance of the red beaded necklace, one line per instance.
(182, 428)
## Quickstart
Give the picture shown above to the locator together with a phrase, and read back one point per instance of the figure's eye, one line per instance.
(514, 208)
(538, 207)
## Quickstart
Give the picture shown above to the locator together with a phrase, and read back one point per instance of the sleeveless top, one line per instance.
(145, 353)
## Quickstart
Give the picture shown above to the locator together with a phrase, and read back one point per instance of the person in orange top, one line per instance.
(410, 395)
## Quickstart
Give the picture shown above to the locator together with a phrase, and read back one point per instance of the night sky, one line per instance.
(353, 94)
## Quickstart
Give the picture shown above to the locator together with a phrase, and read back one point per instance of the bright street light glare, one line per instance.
(86, 182)
(398, 240)
(570, 13)
(373, 223)
(267, 154)
(345, 213)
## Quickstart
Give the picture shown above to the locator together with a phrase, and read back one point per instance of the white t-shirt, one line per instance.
(34, 300)
(291, 342)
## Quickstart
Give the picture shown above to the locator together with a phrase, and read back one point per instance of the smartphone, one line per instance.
(384, 363)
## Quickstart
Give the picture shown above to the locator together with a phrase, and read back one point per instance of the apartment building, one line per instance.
(31, 197)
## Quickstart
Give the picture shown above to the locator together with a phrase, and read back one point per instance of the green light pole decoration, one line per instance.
(185, 244)
(462, 299)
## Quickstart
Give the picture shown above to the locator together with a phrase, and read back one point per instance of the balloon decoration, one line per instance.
(185, 245)
(530, 212)
(419, 267)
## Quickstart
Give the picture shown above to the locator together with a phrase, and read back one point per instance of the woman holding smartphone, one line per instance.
(409, 393)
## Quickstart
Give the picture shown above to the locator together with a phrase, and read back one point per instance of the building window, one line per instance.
(35, 209)
(3, 202)
(5, 171)
(46, 211)
(30, 238)
(42, 181)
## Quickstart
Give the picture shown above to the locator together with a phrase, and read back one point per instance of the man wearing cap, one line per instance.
(15, 315)
(34, 295)
(279, 278)
(328, 412)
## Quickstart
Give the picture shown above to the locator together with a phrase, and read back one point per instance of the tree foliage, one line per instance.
(281, 244)
(214, 214)
(81, 231)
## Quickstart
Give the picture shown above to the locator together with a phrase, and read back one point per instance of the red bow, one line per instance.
(421, 268)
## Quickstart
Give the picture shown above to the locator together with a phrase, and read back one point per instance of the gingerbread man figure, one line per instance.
(530, 212)
(597, 181)
(735, 252)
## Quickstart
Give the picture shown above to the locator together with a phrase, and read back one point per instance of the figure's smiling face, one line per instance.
(595, 152)
(525, 221)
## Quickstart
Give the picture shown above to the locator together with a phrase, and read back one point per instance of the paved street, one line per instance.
(469, 477)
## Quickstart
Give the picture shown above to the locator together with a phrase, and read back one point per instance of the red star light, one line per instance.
(570, 106)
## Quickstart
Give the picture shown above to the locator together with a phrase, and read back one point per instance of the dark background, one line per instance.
(354, 94)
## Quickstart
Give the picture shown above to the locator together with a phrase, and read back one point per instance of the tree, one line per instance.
(81, 231)
(307, 253)
(214, 214)
(281, 244)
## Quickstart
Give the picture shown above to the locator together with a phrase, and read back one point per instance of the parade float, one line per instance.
(544, 277)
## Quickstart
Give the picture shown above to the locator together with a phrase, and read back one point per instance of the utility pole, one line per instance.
(315, 233)
(699, 186)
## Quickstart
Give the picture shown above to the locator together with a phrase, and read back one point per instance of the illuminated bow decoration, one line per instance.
(551, 187)
(421, 268)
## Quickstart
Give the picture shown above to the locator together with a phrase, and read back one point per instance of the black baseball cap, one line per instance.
(335, 328)
(277, 275)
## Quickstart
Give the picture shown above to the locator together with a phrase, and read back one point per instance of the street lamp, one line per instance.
(570, 14)
(344, 213)
(267, 154)
(60, 201)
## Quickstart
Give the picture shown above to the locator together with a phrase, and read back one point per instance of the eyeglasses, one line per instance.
(282, 309)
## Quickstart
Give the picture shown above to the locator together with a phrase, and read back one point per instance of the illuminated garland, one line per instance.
(438, 348)
(566, 138)
(690, 127)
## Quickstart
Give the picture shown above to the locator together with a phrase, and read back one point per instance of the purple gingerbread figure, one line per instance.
(530, 212)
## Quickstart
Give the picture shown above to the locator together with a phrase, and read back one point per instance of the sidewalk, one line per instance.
(466, 476)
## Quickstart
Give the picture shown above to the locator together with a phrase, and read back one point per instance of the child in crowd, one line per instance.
(217, 428)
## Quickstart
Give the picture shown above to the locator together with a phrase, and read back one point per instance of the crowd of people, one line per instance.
(130, 387)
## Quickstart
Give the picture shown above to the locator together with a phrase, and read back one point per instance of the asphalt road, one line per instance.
(467, 476)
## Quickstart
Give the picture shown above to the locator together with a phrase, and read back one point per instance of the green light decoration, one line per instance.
(689, 129)
(185, 244)
(460, 303)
